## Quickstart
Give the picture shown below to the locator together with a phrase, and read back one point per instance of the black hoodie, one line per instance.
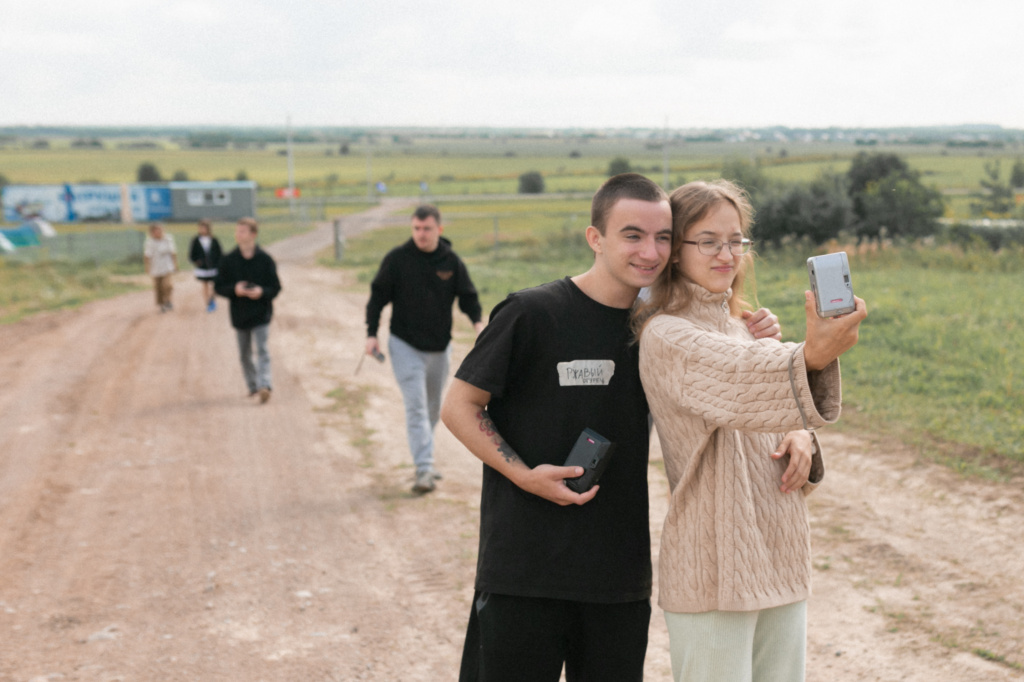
(421, 288)
(247, 313)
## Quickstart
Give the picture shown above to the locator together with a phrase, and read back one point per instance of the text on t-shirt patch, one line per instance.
(585, 372)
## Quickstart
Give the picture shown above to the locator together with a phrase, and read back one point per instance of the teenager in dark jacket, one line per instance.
(248, 278)
(205, 254)
(421, 279)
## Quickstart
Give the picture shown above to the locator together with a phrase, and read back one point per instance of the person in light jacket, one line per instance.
(735, 417)
(160, 256)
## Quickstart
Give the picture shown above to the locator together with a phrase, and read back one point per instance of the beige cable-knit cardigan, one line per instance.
(722, 401)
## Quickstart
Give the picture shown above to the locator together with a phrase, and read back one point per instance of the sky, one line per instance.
(531, 63)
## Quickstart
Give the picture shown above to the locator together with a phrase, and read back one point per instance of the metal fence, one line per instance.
(96, 247)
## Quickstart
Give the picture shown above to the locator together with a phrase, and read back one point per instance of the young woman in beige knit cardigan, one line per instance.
(735, 417)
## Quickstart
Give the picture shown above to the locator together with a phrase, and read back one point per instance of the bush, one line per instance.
(745, 174)
(990, 237)
(148, 172)
(619, 164)
(531, 182)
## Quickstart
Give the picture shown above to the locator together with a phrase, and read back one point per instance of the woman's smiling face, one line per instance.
(714, 273)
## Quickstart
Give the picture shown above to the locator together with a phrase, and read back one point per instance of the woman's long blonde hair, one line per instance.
(691, 203)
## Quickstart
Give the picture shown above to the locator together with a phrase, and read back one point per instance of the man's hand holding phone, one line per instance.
(248, 290)
(549, 482)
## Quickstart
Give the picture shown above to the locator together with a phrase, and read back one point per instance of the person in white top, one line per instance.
(160, 256)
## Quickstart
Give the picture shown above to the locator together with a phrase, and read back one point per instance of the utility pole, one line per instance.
(291, 171)
(369, 170)
(664, 157)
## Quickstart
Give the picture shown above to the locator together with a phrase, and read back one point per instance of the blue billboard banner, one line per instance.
(146, 202)
(150, 203)
(93, 203)
(22, 202)
(84, 203)
(62, 203)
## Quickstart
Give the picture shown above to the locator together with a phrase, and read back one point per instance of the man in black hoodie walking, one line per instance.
(421, 279)
(248, 278)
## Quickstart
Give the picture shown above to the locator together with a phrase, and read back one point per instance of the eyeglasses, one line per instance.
(712, 247)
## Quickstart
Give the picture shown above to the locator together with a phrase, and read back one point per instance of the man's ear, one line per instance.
(594, 238)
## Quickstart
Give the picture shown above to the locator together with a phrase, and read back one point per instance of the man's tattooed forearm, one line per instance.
(487, 426)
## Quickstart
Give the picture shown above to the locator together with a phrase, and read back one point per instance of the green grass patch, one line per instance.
(997, 658)
(939, 359)
(28, 288)
(350, 400)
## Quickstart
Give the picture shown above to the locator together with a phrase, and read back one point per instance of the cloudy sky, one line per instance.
(530, 63)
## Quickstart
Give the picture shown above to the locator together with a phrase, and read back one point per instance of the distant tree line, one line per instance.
(223, 139)
(880, 196)
(148, 172)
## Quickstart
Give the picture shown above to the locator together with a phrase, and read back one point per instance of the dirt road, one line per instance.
(156, 524)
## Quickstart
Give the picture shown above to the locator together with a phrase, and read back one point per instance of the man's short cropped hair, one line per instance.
(250, 223)
(427, 211)
(622, 186)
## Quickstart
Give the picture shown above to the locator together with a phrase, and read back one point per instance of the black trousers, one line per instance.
(526, 639)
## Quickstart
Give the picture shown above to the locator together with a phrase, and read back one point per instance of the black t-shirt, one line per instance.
(555, 362)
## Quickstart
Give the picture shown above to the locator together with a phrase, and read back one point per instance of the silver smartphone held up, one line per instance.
(830, 282)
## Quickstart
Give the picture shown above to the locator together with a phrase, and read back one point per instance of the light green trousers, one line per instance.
(739, 646)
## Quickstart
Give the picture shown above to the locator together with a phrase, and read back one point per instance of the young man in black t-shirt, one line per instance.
(564, 577)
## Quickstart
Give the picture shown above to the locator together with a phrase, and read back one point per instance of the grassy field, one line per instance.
(938, 363)
(453, 166)
(938, 358)
(27, 288)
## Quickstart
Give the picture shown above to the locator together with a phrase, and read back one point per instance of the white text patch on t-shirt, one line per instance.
(585, 372)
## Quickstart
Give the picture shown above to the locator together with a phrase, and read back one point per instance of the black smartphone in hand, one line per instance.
(592, 451)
